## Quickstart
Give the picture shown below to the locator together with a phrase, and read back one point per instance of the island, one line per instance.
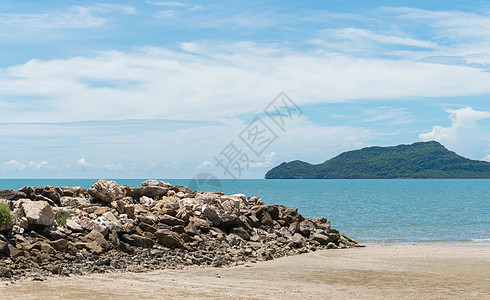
(418, 160)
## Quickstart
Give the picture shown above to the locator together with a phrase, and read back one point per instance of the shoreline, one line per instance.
(390, 271)
(477, 243)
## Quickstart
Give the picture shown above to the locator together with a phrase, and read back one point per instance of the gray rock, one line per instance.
(138, 240)
(59, 245)
(90, 225)
(72, 191)
(152, 182)
(3, 246)
(38, 212)
(169, 220)
(321, 238)
(298, 240)
(233, 239)
(306, 227)
(11, 195)
(241, 233)
(211, 214)
(107, 191)
(150, 191)
(49, 192)
(14, 252)
(73, 226)
(191, 229)
(109, 220)
(74, 201)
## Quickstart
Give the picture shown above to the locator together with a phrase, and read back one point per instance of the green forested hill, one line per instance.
(418, 160)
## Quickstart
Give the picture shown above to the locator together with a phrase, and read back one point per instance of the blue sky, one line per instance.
(157, 89)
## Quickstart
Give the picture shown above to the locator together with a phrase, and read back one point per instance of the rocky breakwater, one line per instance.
(111, 227)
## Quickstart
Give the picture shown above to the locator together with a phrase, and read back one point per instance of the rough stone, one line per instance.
(59, 245)
(211, 214)
(321, 238)
(168, 219)
(38, 212)
(99, 238)
(169, 238)
(150, 191)
(138, 240)
(11, 195)
(14, 252)
(298, 240)
(73, 201)
(107, 191)
(90, 225)
(3, 246)
(73, 226)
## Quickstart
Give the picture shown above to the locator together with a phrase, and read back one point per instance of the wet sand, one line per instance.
(400, 271)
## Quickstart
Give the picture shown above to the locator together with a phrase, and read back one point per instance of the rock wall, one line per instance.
(153, 226)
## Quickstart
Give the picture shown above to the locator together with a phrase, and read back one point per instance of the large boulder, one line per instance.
(152, 188)
(138, 240)
(211, 214)
(72, 191)
(49, 192)
(150, 191)
(109, 220)
(153, 182)
(38, 212)
(169, 238)
(73, 226)
(73, 201)
(12, 195)
(107, 191)
(169, 220)
(321, 238)
(90, 225)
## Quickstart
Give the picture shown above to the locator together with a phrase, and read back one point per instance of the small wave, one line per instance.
(479, 240)
(438, 241)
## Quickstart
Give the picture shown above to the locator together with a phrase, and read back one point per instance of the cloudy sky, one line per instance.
(161, 89)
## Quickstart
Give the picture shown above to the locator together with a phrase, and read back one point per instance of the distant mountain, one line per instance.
(418, 160)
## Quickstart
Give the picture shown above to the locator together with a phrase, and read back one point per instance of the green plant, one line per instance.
(62, 216)
(6, 218)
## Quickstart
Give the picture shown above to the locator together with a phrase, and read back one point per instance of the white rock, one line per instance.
(38, 212)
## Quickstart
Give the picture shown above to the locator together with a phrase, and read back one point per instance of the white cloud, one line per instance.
(360, 36)
(124, 9)
(165, 14)
(168, 3)
(215, 83)
(75, 17)
(464, 135)
(82, 162)
(486, 158)
(14, 165)
(269, 161)
(205, 165)
(171, 166)
(79, 17)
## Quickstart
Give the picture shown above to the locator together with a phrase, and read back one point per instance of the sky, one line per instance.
(172, 89)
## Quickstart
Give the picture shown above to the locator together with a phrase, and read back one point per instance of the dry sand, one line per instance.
(400, 271)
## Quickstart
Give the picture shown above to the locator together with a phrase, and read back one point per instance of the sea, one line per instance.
(371, 211)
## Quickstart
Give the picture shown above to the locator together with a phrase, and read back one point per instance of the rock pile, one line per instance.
(153, 226)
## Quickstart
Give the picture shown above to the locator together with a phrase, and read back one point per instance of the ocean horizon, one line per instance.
(371, 211)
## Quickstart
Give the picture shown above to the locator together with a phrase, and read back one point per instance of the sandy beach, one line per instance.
(376, 271)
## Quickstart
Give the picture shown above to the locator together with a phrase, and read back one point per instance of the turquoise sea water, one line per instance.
(370, 211)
